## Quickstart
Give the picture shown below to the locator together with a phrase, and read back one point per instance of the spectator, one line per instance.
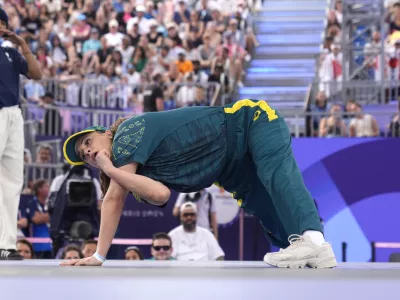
(133, 76)
(317, 111)
(71, 252)
(143, 23)
(126, 50)
(154, 95)
(219, 77)
(184, 65)
(394, 24)
(363, 125)
(93, 44)
(89, 248)
(206, 52)
(206, 209)
(192, 242)
(186, 95)
(139, 59)
(173, 34)
(182, 14)
(38, 216)
(80, 32)
(52, 117)
(114, 38)
(155, 38)
(25, 249)
(199, 75)
(161, 247)
(44, 154)
(334, 125)
(133, 253)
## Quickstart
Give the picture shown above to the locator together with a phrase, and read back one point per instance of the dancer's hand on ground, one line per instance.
(88, 261)
(103, 160)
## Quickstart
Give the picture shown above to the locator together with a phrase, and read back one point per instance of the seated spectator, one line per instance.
(25, 249)
(186, 95)
(199, 76)
(161, 247)
(89, 248)
(44, 154)
(133, 253)
(22, 222)
(363, 125)
(71, 252)
(206, 209)
(38, 216)
(218, 76)
(143, 23)
(184, 65)
(93, 44)
(126, 50)
(191, 242)
(140, 59)
(182, 13)
(394, 24)
(155, 38)
(114, 38)
(80, 32)
(334, 125)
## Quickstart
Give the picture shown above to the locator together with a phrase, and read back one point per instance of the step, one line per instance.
(279, 63)
(274, 98)
(293, 25)
(287, 50)
(304, 13)
(284, 71)
(293, 5)
(289, 19)
(272, 80)
(289, 30)
(293, 39)
(274, 90)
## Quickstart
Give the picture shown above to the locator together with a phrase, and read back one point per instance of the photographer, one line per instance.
(206, 209)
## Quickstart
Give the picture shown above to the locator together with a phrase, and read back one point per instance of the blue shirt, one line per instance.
(12, 64)
(38, 230)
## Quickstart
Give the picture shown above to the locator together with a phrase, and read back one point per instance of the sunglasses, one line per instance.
(158, 248)
(189, 214)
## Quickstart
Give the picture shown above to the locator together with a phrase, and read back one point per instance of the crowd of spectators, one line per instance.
(333, 115)
(108, 53)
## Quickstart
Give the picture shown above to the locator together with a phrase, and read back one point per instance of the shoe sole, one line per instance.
(314, 263)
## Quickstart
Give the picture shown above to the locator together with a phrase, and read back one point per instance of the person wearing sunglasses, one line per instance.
(161, 248)
(192, 242)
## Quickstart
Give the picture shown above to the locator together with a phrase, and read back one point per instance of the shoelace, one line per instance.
(294, 241)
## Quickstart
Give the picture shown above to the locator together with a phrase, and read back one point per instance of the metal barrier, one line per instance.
(34, 172)
(118, 95)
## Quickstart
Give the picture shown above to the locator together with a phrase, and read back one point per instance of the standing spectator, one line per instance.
(133, 253)
(154, 95)
(192, 242)
(12, 133)
(52, 117)
(89, 248)
(317, 111)
(25, 249)
(39, 217)
(363, 125)
(161, 248)
(206, 209)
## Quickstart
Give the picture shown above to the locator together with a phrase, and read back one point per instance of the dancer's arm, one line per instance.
(153, 191)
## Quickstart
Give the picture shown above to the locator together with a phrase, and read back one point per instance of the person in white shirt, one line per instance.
(144, 24)
(363, 125)
(114, 38)
(206, 209)
(192, 242)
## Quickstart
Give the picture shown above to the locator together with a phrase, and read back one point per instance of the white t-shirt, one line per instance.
(200, 245)
(203, 208)
(126, 54)
(363, 126)
(114, 39)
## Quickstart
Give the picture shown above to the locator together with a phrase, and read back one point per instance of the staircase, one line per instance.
(290, 35)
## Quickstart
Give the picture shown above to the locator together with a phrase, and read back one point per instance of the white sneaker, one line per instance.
(302, 252)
